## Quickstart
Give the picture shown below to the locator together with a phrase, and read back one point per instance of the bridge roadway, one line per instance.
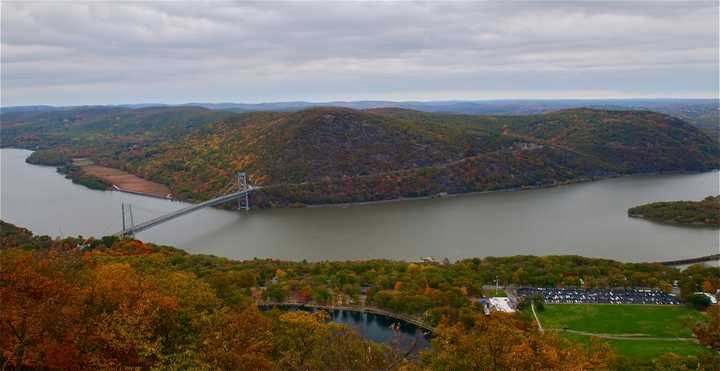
(184, 211)
(671, 263)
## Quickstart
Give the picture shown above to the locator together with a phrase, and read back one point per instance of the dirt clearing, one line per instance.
(127, 182)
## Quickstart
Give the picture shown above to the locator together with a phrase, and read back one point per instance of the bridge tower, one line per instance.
(243, 202)
(125, 230)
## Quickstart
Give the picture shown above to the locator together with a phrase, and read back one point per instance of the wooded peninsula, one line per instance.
(704, 212)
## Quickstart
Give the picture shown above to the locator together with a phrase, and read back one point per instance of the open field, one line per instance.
(650, 329)
(645, 349)
(126, 181)
(630, 320)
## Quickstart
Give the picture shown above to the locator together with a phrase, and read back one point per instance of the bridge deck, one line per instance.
(714, 257)
(184, 211)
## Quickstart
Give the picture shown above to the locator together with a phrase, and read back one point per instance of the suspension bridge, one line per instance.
(242, 196)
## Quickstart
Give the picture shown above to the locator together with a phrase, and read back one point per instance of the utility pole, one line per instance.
(497, 284)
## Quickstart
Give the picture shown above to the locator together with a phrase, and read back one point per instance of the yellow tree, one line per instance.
(237, 341)
(502, 342)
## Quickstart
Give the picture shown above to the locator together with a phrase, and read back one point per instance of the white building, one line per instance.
(501, 304)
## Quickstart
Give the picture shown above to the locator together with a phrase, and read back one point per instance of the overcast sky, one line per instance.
(70, 53)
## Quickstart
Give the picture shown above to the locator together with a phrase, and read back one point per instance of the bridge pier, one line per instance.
(125, 230)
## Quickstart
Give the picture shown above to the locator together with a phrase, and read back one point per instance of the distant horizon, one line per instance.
(364, 101)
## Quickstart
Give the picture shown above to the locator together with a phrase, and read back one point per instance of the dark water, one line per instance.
(588, 219)
(402, 336)
(378, 328)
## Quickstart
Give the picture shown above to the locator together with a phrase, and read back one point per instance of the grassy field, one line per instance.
(657, 321)
(645, 349)
(647, 320)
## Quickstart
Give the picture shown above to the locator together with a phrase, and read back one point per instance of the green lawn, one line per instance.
(649, 320)
(645, 349)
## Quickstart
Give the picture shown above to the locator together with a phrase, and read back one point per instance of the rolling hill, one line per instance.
(337, 155)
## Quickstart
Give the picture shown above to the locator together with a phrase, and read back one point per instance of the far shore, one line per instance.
(157, 190)
(514, 189)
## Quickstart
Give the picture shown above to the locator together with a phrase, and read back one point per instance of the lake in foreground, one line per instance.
(588, 219)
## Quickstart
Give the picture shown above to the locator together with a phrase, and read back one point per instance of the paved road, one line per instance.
(532, 306)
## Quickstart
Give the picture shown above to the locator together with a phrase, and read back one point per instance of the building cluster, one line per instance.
(599, 296)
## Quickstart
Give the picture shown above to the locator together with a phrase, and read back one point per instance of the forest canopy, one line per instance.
(120, 303)
(704, 212)
(339, 155)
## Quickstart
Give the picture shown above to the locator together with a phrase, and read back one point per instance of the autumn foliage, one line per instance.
(118, 304)
(502, 342)
(340, 155)
(708, 333)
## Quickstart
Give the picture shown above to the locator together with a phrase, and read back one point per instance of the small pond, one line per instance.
(401, 335)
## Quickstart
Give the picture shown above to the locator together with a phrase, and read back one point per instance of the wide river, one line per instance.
(588, 219)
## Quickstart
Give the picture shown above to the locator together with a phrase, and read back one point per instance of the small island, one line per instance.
(705, 212)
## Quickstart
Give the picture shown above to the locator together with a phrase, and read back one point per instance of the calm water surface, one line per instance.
(378, 328)
(588, 219)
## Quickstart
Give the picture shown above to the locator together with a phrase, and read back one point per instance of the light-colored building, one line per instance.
(501, 304)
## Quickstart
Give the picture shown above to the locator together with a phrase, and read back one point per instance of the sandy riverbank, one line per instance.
(124, 181)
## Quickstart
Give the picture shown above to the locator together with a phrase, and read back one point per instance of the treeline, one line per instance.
(48, 158)
(66, 167)
(79, 303)
(705, 212)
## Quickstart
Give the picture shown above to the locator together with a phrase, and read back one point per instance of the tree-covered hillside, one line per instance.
(704, 212)
(341, 155)
(338, 155)
(114, 303)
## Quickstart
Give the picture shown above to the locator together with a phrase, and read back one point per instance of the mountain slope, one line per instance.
(115, 124)
(335, 155)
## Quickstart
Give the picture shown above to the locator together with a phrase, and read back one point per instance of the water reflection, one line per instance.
(403, 336)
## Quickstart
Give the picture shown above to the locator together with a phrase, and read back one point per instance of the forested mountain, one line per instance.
(703, 113)
(49, 128)
(337, 155)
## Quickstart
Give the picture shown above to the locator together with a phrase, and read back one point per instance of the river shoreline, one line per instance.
(515, 189)
(420, 198)
(673, 223)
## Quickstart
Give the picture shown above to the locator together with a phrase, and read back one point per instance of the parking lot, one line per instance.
(600, 296)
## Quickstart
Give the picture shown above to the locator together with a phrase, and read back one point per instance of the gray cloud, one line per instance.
(124, 52)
